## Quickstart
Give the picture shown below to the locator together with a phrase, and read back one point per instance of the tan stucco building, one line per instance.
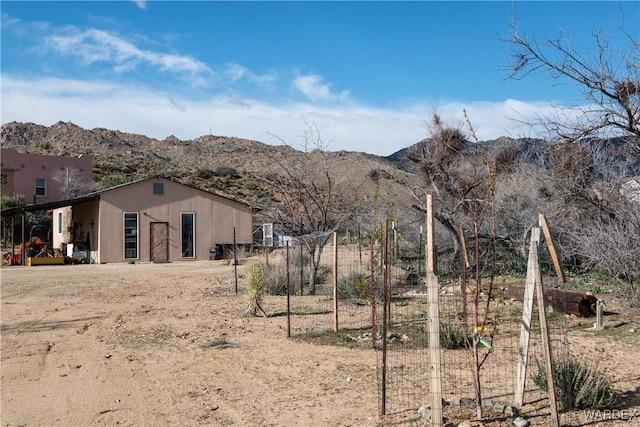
(152, 220)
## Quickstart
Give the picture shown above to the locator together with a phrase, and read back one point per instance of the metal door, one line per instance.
(159, 233)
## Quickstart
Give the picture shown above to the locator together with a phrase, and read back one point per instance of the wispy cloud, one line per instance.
(316, 89)
(8, 20)
(142, 4)
(235, 72)
(93, 45)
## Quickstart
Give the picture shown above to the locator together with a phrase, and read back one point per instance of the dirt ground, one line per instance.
(168, 345)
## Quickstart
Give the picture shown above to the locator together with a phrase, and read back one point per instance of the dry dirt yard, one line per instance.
(165, 345)
(168, 345)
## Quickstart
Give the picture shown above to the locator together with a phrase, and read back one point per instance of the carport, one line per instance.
(21, 212)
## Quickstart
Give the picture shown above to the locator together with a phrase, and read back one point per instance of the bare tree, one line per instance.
(461, 175)
(71, 182)
(594, 146)
(608, 76)
(307, 203)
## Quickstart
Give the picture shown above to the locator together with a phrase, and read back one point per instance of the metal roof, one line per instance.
(18, 210)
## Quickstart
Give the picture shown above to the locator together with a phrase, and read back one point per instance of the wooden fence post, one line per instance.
(286, 263)
(552, 248)
(599, 315)
(546, 349)
(433, 321)
(385, 319)
(527, 310)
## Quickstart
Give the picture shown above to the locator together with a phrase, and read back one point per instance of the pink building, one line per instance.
(42, 178)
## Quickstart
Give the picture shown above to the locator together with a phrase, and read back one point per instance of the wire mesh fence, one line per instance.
(334, 297)
(370, 295)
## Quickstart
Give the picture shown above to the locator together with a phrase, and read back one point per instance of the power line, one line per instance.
(358, 21)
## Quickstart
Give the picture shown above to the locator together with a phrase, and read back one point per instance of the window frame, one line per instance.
(183, 237)
(127, 237)
(42, 187)
(158, 188)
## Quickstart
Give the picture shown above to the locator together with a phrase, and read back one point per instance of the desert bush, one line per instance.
(205, 173)
(275, 277)
(353, 285)
(451, 336)
(226, 171)
(578, 386)
(12, 201)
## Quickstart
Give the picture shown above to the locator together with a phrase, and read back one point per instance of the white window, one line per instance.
(41, 187)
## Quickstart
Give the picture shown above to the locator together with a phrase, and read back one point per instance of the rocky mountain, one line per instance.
(215, 163)
(228, 164)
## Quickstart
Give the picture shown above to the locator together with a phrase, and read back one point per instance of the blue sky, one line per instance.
(368, 74)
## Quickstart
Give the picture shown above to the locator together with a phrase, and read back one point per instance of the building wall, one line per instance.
(22, 170)
(215, 219)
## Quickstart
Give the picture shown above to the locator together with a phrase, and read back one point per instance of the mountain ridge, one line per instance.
(226, 163)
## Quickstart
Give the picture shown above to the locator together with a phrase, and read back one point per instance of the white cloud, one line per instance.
(93, 46)
(316, 89)
(142, 4)
(100, 46)
(7, 21)
(235, 72)
(380, 131)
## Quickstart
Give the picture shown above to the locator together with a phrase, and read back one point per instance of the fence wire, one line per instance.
(382, 305)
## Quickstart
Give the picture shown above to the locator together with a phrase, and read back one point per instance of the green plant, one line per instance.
(12, 201)
(226, 171)
(353, 285)
(44, 146)
(578, 386)
(451, 336)
(275, 277)
(447, 276)
(598, 281)
(516, 268)
(255, 291)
